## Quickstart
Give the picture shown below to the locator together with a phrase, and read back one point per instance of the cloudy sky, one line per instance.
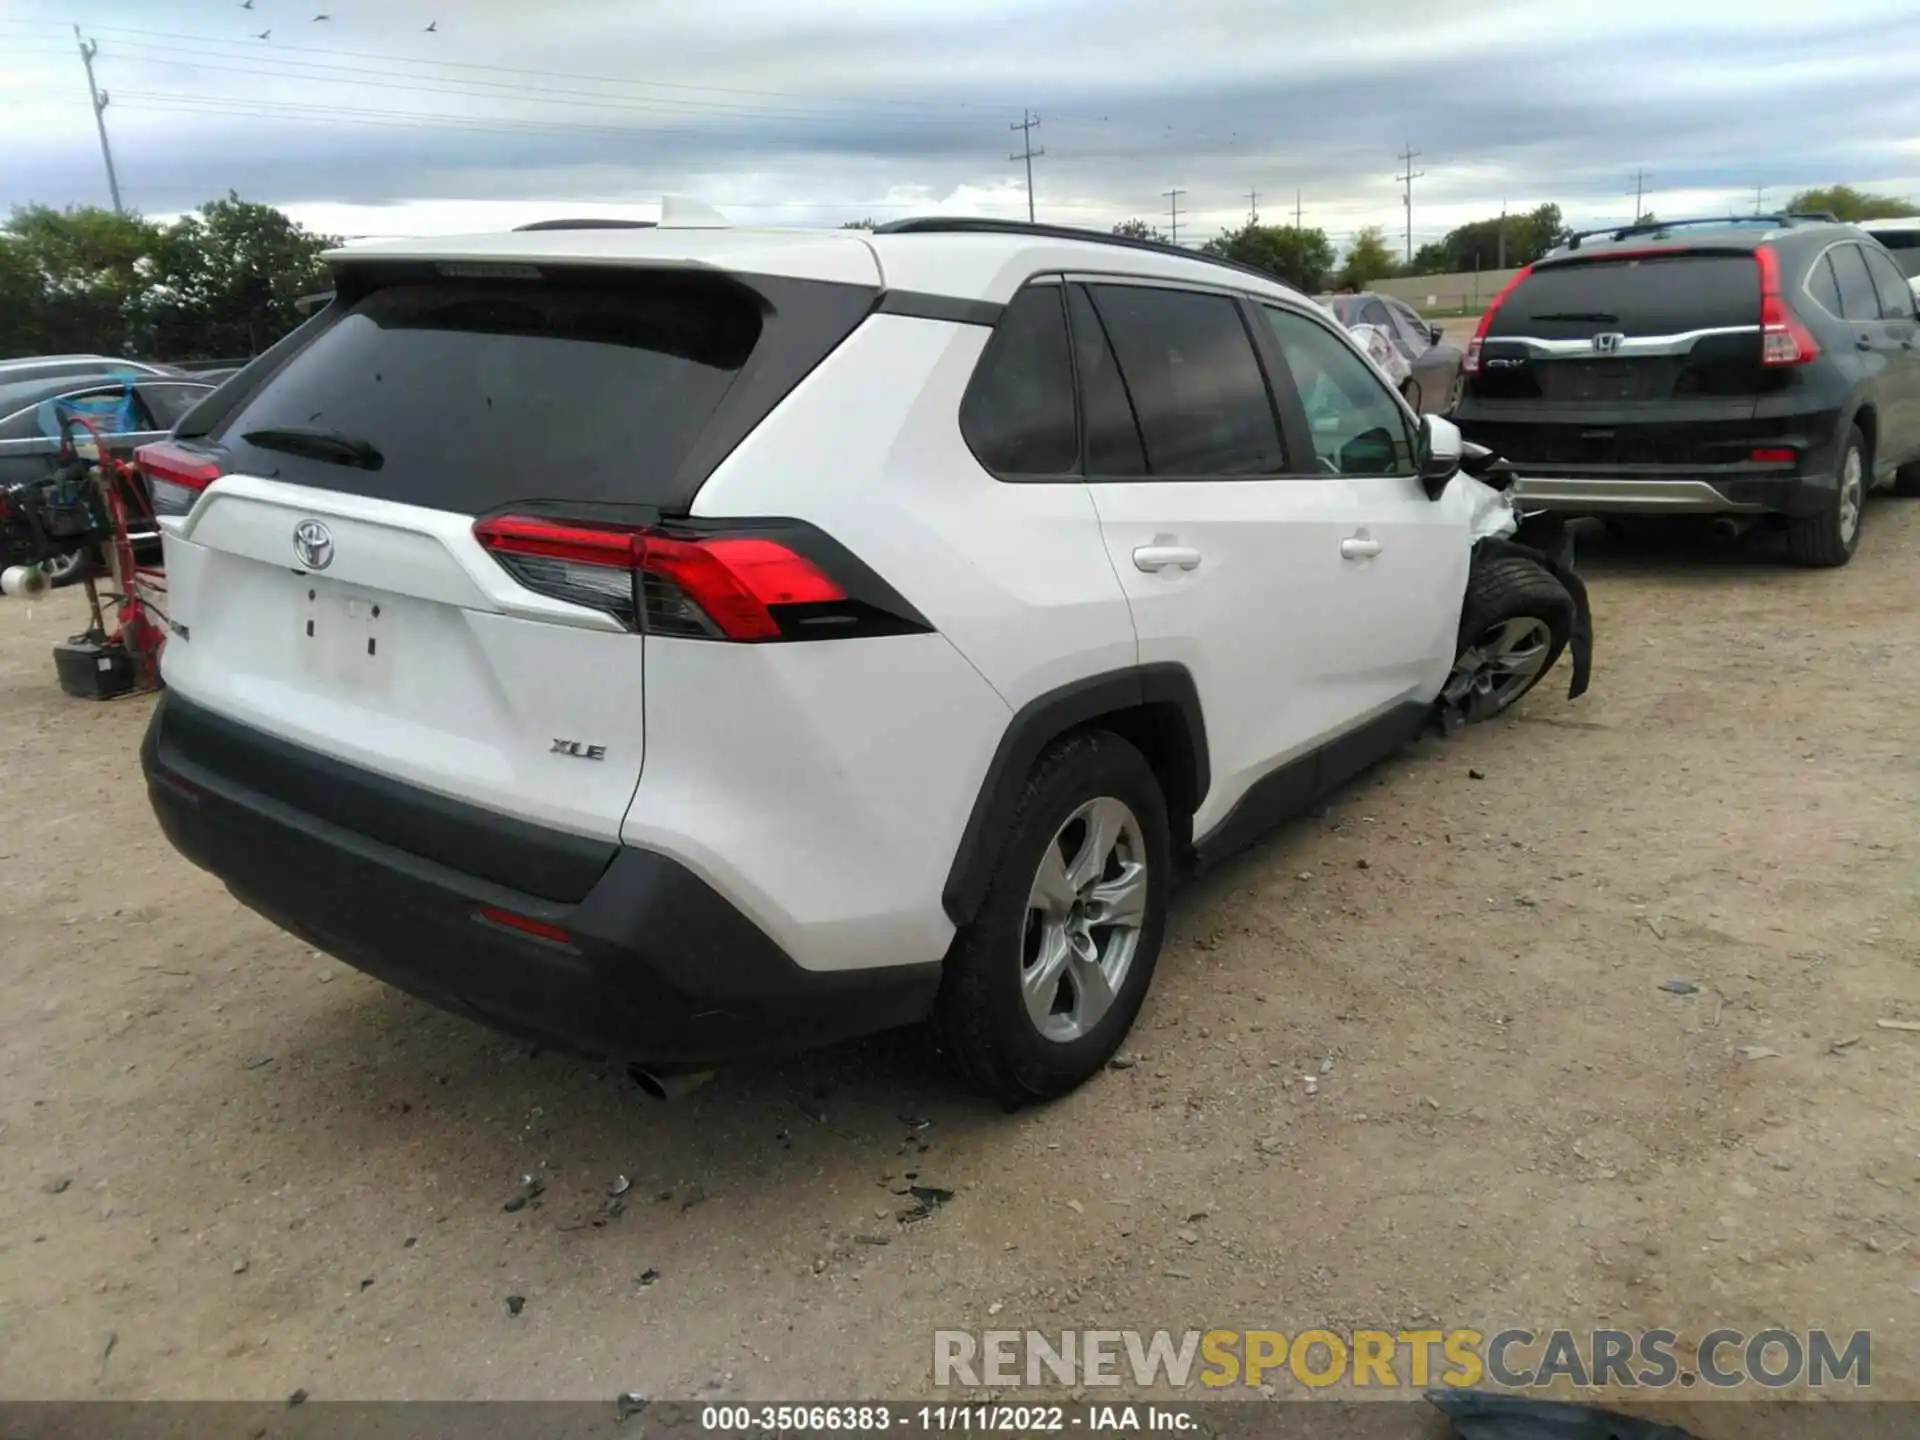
(367, 123)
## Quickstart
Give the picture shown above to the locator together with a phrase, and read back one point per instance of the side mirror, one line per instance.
(1486, 467)
(1436, 333)
(1439, 454)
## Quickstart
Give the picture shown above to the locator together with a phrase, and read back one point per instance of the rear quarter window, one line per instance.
(1663, 295)
(479, 394)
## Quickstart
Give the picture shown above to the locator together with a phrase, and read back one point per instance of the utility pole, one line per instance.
(1253, 207)
(1296, 209)
(1759, 198)
(88, 49)
(1407, 157)
(1501, 263)
(1173, 215)
(1639, 194)
(1026, 125)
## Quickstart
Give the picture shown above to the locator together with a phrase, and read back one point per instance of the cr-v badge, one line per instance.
(313, 543)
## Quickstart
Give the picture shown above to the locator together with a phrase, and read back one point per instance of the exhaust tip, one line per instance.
(669, 1085)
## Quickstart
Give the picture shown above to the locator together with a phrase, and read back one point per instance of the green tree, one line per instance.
(1433, 258)
(1299, 257)
(1368, 259)
(1477, 244)
(86, 274)
(1846, 203)
(226, 279)
(866, 224)
(1138, 230)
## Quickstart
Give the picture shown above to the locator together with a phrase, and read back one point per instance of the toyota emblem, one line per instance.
(313, 543)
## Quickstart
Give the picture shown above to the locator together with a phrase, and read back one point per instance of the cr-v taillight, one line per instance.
(1783, 339)
(1471, 361)
(175, 475)
(727, 586)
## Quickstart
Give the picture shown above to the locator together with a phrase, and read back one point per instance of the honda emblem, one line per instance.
(1609, 343)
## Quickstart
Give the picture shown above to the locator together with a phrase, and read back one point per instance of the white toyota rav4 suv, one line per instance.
(682, 642)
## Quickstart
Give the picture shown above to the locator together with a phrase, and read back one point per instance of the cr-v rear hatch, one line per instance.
(1625, 359)
(429, 542)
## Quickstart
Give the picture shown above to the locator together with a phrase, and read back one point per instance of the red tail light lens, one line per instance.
(525, 924)
(1772, 455)
(1471, 361)
(175, 475)
(1783, 339)
(722, 587)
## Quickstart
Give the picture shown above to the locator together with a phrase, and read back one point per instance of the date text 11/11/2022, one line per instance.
(945, 1419)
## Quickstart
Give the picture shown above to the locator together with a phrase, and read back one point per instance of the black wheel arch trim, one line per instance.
(1045, 719)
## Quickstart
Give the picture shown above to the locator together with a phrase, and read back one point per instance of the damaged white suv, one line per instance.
(683, 642)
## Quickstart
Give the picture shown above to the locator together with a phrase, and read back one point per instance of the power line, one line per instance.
(99, 98)
(1027, 124)
(1407, 157)
(1173, 214)
(251, 52)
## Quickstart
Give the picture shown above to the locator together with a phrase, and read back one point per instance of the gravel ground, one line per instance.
(232, 1167)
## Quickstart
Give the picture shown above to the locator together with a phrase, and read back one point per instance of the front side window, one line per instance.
(1896, 296)
(1195, 382)
(1358, 427)
(1017, 416)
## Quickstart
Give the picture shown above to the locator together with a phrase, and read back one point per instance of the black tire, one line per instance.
(981, 1013)
(1504, 591)
(1822, 540)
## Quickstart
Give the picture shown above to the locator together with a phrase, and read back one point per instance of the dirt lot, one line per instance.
(252, 1169)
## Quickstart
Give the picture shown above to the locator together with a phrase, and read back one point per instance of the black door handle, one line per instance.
(1861, 342)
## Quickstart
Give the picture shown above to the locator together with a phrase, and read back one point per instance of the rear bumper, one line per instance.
(1613, 495)
(658, 968)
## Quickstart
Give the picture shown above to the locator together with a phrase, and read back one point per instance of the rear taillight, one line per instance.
(708, 587)
(175, 475)
(1783, 339)
(1772, 455)
(1471, 362)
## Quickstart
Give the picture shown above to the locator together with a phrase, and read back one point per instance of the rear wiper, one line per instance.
(328, 445)
(1599, 317)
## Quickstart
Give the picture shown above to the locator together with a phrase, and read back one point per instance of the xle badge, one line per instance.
(579, 750)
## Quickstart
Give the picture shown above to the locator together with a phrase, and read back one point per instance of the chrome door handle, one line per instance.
(1164, 557)
(1359, 548)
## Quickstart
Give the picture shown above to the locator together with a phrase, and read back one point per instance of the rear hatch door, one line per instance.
(328, 587)
(1649, 358)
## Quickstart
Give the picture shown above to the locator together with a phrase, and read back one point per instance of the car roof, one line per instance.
(963, 259)
(1730, 232)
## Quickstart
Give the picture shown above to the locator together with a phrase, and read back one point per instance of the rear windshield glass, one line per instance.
(1666, 295)
(1905, 245)
(469, 396)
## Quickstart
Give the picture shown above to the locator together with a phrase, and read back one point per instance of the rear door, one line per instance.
(332, 587)
(1624, 362)
(1228, 543)
(1900, 421)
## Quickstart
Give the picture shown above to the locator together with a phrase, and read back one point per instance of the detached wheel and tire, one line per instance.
(1513, 626)
(1830, 537)
(1041, 988)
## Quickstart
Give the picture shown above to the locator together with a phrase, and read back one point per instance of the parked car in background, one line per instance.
(30, 440)
(74, 368)
(982, 577)
(1765, 367)
(1902, 239)
(1433, 361)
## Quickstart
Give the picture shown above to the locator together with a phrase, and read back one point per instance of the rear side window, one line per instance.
(1645, 296)
(1017, 415)
(1823, 287)
(1196, 384)
(1858, 300)
(470, 396)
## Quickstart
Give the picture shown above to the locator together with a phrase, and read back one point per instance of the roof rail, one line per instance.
(587, 224)
(986, 225)
(1653, 227)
